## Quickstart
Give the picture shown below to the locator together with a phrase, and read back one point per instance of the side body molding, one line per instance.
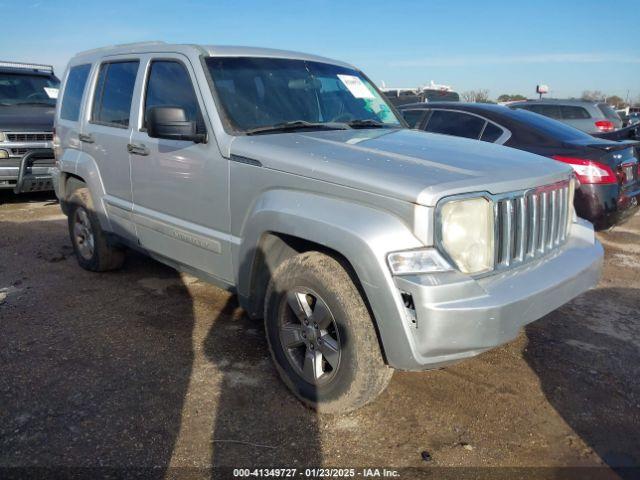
(362, 234)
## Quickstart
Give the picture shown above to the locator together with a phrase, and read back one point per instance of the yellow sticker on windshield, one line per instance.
(356, 86)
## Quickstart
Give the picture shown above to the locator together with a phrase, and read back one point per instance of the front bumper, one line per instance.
(33, 172)
(457, 317)
(37, 173)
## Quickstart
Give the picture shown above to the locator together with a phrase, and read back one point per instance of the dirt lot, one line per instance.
(146, 367)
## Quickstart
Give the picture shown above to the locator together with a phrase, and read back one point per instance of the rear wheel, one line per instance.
(321, 335)
(89, 241)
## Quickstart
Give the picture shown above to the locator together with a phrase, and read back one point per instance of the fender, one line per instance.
(79, 163)
(362, 234)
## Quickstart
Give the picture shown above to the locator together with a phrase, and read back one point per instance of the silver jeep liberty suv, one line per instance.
(288, 179)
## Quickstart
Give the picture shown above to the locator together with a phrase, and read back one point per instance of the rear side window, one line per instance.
(169, 85)
(552, 111)
(413, 117)
(73, 92)
(114, 90)
(491, 133)
(570, 112)
(609, 112)
(455, 123)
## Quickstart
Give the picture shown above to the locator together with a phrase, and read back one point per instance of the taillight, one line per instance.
(605, 126)
(589, 171)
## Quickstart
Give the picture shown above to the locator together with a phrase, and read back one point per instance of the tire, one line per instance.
(89, 241)
(320, 290)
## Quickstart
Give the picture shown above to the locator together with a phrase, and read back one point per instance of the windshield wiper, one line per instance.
(368, 123)
(297, 125)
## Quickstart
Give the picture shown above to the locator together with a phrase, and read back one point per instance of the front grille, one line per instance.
(29, 136)
(531, 224)
(19, 151)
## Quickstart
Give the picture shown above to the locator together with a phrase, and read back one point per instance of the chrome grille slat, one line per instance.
(530, 224)
(544, 214)
(535, 224)
(566, 208)
(522, 229)
(553, 230)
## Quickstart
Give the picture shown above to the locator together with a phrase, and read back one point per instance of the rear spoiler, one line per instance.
(614, 146)
(632, 132)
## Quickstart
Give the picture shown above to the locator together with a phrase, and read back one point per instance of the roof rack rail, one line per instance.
(123, 45)
(28, 66)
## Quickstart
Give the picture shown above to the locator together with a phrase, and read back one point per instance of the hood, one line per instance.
(28, 118)
(408, 165)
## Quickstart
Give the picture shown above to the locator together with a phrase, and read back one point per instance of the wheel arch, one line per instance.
(287, 223)
(83, 169)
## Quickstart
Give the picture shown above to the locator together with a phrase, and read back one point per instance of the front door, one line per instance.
(180, 188)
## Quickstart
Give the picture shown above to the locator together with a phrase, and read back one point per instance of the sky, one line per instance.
(499, 45)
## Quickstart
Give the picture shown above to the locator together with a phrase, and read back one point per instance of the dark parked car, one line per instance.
(607, 170)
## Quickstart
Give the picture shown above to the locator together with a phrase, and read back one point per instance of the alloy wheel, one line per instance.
(83, 233)
(309, 336)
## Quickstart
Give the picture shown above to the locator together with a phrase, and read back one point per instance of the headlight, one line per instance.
(426, 260)
(3, 137)
(466, 233)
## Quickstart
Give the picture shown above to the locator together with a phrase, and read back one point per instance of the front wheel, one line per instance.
(321, 335)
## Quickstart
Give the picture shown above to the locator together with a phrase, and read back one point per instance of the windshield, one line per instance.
(20, 88)
(258, 93)
(609, 112)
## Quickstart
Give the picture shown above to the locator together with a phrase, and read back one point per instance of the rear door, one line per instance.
(180, 188)
(107, 134)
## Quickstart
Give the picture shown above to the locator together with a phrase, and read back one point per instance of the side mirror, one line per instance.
(172, 123)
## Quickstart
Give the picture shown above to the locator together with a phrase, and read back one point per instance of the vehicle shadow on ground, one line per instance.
(101, 370)
(8, 197)
(589, 367)
(258, 422)
(95, 367)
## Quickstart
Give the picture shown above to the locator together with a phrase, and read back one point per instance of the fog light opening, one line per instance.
(410, 309)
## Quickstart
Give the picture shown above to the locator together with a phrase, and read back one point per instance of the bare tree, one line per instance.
(476, 96)
(616, 101)
(505, 97)
(592, 95)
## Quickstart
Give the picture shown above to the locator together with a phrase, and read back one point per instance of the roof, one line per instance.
(467, 106)
(32, 67)
(554, 100)
(207, 50)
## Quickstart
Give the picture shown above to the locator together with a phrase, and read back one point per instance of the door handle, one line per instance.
(135, 149)
(85, 137)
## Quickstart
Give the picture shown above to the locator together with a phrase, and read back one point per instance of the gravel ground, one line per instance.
(146, 367)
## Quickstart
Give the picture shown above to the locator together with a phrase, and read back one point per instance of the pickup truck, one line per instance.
(28, 95)
(290, 180)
